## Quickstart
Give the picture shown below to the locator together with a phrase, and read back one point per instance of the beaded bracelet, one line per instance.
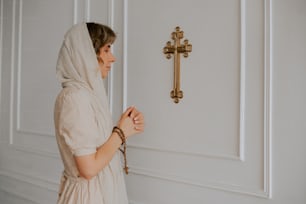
(120, 132)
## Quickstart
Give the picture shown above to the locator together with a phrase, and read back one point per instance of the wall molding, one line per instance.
(1, 53)
(87, 10)
(124, 54)
(36, 151)
(81, 15)
(1, 44)
(133, 202)
(15, 92)
(12, 71)
(242, 122)
(77, 16)
(31, 132)
(241, 150)
(210, 185)
(110, 78)
(173, 151)
(18, 60)
(27, 180)
(75, 11)
(267, 136)
(268, 53)
(15, 129)
(36, 181)
(25, 198)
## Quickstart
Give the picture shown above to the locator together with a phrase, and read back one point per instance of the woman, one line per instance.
(87, 141)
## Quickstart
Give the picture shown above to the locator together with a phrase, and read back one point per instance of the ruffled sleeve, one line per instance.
(77, 124)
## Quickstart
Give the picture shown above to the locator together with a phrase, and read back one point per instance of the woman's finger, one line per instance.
(128, 112)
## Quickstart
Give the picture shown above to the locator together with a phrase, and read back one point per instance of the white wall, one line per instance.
(30, 35)
(32, 32)
(289, 99)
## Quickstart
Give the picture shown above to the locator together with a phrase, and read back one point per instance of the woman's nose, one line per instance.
(112, 58)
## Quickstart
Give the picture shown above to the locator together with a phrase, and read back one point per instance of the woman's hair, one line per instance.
(100, 35)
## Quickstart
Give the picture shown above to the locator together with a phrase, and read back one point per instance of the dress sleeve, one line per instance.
(77, 124)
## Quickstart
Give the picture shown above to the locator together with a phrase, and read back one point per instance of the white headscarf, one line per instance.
(78, 66)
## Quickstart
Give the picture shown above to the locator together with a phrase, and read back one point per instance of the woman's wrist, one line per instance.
(121, 134)
(117, 139)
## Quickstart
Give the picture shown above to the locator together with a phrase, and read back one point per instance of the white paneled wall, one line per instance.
(244, 89)
(31, 33)
(218, 125)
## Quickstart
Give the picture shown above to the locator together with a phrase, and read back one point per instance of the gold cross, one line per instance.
(176, 49)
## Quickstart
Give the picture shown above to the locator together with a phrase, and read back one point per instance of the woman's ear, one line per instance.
(100, 59)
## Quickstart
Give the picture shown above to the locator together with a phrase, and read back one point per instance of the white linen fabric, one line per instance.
(83, 123)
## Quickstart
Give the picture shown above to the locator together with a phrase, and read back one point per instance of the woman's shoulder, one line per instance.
(73, 94)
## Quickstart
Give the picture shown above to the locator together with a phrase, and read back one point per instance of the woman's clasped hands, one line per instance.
(131, 122)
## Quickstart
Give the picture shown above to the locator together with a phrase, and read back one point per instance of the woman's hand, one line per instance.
(131, 122)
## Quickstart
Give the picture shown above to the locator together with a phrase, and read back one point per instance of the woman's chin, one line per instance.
(104, 75)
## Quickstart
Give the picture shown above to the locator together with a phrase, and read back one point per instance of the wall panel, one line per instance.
(7, 14)
(218, 125)
(212, 147)
(32, 36)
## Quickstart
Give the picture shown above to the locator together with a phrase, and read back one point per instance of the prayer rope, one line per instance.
(123, 139)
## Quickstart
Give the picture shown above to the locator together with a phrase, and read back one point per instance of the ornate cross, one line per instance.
(176, 49)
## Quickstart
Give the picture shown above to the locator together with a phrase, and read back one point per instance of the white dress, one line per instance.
(79, 132)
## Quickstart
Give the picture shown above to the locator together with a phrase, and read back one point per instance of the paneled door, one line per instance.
(217, 137)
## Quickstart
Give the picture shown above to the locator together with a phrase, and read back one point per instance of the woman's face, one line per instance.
(105, 59)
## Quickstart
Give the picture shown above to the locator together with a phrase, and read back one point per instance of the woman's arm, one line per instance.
(131, 122)
(90, 165)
